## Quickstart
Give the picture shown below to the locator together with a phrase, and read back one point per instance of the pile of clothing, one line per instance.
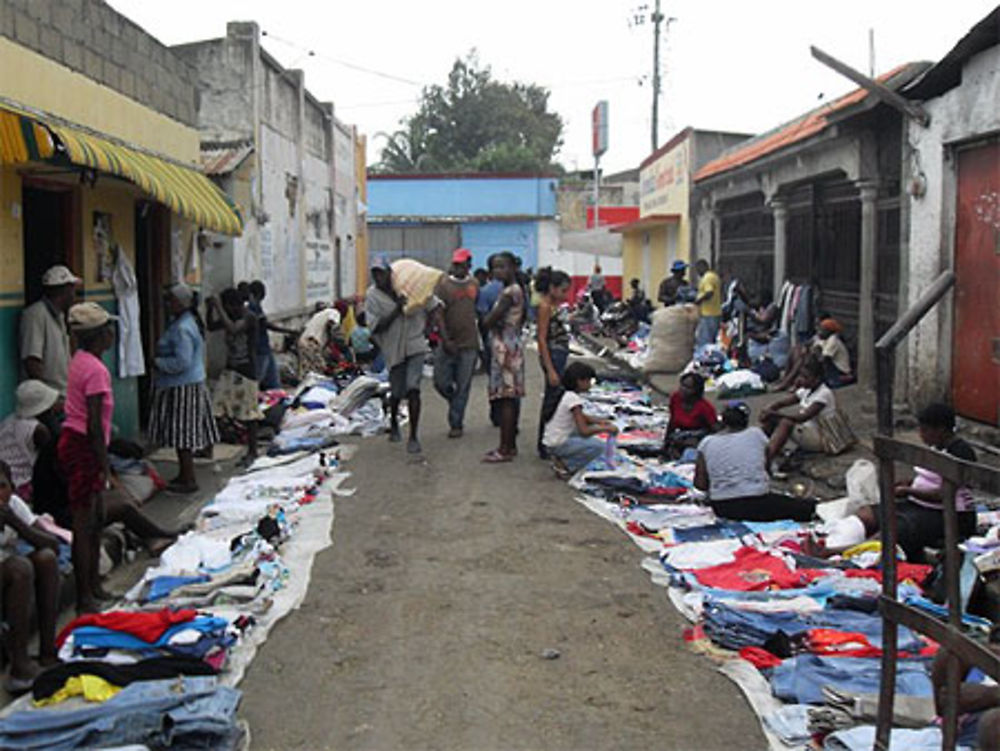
(804, 632)
(158, 670)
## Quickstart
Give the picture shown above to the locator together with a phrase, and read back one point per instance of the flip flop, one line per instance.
(495, 457)
(14, 685)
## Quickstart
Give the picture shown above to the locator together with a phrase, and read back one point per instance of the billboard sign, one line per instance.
(599, 128)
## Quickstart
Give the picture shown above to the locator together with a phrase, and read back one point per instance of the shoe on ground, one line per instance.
(394, 435)
(413, 446)
(455, 433)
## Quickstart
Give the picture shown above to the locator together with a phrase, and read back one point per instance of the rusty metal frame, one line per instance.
(956, 474)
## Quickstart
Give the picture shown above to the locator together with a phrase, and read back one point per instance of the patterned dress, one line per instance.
(507, 360)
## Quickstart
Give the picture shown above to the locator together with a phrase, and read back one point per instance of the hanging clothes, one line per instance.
(131, 362)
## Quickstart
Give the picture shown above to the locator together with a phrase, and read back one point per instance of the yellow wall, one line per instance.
(665, 188)
(36, 81)
(659, 258)
(11, 256)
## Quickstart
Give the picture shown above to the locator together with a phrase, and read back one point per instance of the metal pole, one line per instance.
(657, 19)
(597, 191)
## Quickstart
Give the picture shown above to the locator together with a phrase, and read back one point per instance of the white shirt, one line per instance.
(563, 423)
(8, 537)
(17, 446)
(820, 395)
(834, 348)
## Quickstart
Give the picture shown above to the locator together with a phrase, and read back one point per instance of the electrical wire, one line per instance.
(338, 61)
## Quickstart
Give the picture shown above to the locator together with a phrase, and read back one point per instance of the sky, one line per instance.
(731, 65)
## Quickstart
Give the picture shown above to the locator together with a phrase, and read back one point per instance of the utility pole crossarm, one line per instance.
(883, 92)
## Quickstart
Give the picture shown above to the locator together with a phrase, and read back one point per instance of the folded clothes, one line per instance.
(145, 626)
(801, 678)
(155, 668)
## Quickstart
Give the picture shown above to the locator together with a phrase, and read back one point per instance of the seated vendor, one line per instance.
(796, 416)
(833, 354)
(732, 469)
(919, 517)
(978, 701)
(692, 416)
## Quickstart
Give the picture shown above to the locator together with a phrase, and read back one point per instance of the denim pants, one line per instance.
(707, 331)
(154, 712)
(452, 379)
(577, 452)
(267, 371)
(552, 395)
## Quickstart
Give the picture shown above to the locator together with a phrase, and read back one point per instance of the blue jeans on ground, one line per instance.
(267, 371)
(552, 395)
(576, 452)
(452, 379)
(707, 331)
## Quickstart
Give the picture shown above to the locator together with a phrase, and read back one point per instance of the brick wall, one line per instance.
(88, 36)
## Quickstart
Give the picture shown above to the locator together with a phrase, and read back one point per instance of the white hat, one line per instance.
(181, 292)
(86, 316)
(57, 276)
(34, 397)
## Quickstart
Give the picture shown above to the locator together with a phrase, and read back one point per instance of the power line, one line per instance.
(345, 63)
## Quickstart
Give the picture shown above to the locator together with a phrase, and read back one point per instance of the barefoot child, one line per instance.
(570, 434)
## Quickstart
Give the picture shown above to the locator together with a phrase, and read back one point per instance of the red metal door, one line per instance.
(976, 351)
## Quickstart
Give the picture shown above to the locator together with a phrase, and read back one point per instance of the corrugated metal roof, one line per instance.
(223, 158)
(947, 73)
(813, 122)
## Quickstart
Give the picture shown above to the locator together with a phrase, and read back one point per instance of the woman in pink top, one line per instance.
(83, 445)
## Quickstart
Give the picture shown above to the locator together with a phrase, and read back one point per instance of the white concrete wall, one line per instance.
(346, 206)
(574, 263)
(964, 113)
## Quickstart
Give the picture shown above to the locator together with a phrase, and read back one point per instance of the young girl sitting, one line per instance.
(570, 434)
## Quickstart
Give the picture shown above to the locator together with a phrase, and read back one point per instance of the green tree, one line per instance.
(474, 123)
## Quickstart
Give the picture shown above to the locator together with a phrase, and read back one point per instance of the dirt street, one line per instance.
(426, 622)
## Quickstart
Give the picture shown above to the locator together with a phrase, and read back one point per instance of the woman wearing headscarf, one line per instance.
(181, 417)
(315, 340)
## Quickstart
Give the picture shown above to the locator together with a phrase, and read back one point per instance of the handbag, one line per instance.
(835, 432)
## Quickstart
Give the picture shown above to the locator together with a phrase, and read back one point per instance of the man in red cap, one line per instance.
(455, 360)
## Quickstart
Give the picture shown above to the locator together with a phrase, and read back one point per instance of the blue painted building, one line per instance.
(426, 217)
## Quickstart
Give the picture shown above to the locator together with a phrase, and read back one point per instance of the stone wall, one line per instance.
(91, 38)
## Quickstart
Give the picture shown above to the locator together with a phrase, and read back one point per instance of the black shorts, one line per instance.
(765, 508)
(918, 527)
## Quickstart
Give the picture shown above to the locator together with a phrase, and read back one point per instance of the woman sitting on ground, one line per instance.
(570, 434)
(25, 433)
(833, 353)
(811, 401)
(26, 579)
(692, 416)
(732, 470)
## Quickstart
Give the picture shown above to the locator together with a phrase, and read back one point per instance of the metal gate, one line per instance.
(976, 352)
(430, 244)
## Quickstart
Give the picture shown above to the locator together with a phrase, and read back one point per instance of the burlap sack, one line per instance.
(415, 281)
(671, 339)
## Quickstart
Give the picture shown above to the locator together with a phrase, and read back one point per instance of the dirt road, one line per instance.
(425, 623)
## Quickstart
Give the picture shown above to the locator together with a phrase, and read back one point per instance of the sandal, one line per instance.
(14, 685)
(497, 457)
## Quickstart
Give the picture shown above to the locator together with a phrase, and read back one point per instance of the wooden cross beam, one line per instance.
(883, 92)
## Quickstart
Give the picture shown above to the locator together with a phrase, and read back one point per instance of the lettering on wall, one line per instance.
(663, 183)
(319, 271)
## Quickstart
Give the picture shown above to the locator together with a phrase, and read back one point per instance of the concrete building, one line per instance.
(816, 201)
(99, 155)
(278, 150)
(952, 180)
(427, 216)
(664, 232)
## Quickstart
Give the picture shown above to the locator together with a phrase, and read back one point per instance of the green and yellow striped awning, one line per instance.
(185, 190)
(22, 139)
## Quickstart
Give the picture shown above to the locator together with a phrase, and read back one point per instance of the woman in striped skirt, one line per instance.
(182, 410)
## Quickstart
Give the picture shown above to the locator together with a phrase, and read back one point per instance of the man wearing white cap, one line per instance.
(44, 337)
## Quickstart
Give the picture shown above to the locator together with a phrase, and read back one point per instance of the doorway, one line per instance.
(49, 236)
(152, 239)
(975, 365)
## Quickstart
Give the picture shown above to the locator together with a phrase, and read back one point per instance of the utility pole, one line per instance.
(657, 20)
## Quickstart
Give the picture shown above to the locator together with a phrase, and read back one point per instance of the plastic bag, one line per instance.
(862, 483)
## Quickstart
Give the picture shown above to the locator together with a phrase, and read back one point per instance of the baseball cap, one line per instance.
(462, 255)
(85, 316)
(678, 266)
(57, 276)
(34, 397)
(381, 262)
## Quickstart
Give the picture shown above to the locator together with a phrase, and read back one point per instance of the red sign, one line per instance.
(599, 128)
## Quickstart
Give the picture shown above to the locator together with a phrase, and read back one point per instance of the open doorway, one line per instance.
(49, 236)
(152, 241)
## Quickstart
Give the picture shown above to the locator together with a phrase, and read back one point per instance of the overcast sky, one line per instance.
(727, 64)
